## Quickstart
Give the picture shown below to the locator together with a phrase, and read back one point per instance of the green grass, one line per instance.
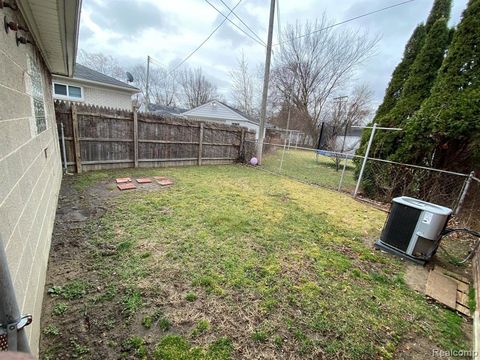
(305, 166)
(285, 262)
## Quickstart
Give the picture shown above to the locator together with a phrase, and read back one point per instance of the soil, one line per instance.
(70, 260)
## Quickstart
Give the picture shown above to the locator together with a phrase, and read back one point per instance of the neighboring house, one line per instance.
(165, 110)
(94, 88)
(30, 165)
(352, 141)
(217, 111)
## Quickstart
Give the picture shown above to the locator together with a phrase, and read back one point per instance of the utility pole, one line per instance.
(147, 96)
(266, 78)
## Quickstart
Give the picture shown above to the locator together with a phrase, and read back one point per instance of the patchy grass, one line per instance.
(306, 166)
(241, 263)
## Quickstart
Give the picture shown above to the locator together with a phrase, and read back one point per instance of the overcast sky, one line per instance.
(169, 30)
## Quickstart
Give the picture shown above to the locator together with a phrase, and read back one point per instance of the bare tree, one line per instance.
(321, 60)
(243, 87)
(105, 64)
(343, 113)
(163, 86)
(197, 90)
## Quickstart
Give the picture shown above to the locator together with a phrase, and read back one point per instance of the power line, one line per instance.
(229, 20)
(243, 22)
(204, 41)
(349, 20)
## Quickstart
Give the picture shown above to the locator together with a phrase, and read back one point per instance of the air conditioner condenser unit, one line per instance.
(413, 229)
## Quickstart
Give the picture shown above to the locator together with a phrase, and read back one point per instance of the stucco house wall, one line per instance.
(30, 171)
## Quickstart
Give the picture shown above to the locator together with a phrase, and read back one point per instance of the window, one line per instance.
(67, 92)
(75, 91)
(38, 98)
(61, 89)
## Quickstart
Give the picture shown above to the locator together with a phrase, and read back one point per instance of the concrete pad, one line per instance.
(123, 180)
(126, 186)
(144, 181)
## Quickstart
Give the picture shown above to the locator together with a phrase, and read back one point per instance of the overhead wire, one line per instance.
(204, 41)
(243, 22)
(348, 20)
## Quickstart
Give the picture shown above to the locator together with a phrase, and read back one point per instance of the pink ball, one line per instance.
(253, 161)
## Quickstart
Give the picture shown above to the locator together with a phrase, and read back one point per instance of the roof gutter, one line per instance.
(68, 13)
(91, 82)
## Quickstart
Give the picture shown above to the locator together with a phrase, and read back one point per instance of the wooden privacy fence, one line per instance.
(104, 138)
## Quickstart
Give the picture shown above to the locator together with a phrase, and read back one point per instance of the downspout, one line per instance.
(9, 312)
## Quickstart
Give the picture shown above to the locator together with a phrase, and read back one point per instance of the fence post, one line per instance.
(468, 181)
(242, 145)
(135, 136)
(343, 174)
(200, 145)
(76, 139)
(365, 159)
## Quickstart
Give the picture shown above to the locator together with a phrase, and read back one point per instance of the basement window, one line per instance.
(67, 92)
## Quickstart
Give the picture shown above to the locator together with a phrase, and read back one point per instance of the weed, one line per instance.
(59, 309)
(164, 324)
(135, 345)
(51, 330)
(200, 327)
(73, 290)
(472, 302)
(191, 297)
(147, 322)
(78, 350)
(174, 347)
(259, 336)
(132, 301)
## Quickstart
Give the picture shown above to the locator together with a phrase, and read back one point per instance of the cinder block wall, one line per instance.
(30, 172)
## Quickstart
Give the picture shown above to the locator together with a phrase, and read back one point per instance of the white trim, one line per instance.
(67, 97)
(98, 83)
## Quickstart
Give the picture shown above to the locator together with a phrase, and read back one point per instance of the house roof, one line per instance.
(54, 26)
(85, 73)
(162, 110)
(241, 113)
(208, 110)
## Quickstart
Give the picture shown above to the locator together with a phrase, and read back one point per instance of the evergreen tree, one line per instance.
(417, 87)
(440, 9)
(394, 89)
(400, 74)
(445, 132)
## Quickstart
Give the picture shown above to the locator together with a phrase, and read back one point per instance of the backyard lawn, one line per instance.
(229, 262)
(306, 166)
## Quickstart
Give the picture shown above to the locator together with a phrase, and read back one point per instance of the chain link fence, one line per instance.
(382, 179)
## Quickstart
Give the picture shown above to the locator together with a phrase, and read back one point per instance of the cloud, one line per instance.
(170, 30)
(129, 18)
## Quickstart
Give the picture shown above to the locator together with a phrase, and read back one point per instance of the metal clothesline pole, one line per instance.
(374, 128)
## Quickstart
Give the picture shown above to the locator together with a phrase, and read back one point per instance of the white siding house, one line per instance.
(94, 88)
(217, 111)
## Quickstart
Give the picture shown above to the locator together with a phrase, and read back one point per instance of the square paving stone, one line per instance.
(126, 186)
